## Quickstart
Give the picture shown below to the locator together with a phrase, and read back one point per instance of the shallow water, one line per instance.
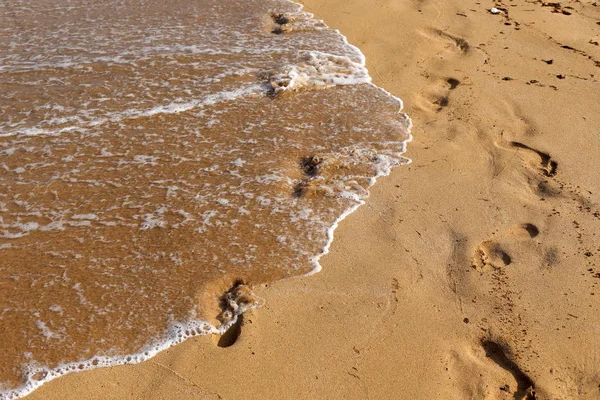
(157, 158)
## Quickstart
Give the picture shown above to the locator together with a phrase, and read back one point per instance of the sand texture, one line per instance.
(472, 273)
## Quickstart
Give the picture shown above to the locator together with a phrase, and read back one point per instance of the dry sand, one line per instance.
(474, 272)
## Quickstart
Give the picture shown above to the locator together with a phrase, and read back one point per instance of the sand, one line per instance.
(474, 272)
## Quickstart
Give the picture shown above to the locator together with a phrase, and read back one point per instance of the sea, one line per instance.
(158, 159)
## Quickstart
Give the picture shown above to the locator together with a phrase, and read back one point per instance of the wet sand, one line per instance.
(473, 272)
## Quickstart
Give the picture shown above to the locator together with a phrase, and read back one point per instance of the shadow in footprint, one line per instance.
(524, 231)
(495, 352)
(232, 334)
(453, 83)
(531, 230)
(445, 100)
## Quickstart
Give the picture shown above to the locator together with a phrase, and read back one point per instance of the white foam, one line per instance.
(92, 217)
(321, 70)
(172, 108)
(48, 334)
(37, 375)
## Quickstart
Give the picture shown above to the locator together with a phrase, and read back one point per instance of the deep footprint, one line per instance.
(547, 165)
(495, 352)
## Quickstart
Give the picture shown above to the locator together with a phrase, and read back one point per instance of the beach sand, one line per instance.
(473, 272)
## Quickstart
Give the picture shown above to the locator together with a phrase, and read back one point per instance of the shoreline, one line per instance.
(460, 276)
(176, 333)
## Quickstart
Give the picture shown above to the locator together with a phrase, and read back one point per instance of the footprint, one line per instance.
(280, 20)
(496, 353)
(480, 372)
(537, 159)
(453, 83)
(524, 231)
(490, 254)
(290, 22)
(310, 165)
(461, 43)
(457, 42)
(443, 102)
(437, 95)
(540, 166)
(233, 303)
(310, 169)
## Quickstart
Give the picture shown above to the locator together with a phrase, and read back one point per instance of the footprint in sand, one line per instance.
(490, 254)
(496, 352)
(537, 160)
(280, 21)
(455, 43)
(544, 166)
(523, 231)
(485, 371)
(310, 169)
(437, 95)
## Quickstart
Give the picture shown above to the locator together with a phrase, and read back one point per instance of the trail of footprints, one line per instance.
(491, 258)
(490, 253)
(437, 96)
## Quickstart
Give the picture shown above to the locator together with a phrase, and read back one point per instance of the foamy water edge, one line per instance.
(180, 331)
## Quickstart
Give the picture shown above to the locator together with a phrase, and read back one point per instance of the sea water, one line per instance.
(158, 158)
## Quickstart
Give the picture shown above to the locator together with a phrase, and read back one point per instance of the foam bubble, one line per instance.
(320, 71)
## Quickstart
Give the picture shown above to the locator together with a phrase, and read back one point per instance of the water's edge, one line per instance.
(180, 331)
